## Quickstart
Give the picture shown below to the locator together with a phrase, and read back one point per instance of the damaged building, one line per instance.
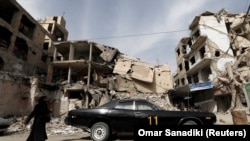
(213, 63)
(26, 49)
(90, 74)
(22, 56)
(37, 59)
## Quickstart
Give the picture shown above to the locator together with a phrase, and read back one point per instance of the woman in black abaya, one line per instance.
(41, 114)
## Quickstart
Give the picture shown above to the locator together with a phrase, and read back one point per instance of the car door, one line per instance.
(145, 114)
(122, 116)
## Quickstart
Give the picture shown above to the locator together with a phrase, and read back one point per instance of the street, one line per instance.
(76, 137)
(23, 137)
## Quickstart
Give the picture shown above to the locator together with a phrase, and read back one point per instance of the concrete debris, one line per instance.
(55, 126)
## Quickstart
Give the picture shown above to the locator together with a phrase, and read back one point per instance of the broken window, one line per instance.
(45, 46)
(7, 10)
(217, 53)
(183, 81)
(186, 65)
(5, 35)
(20, 49)
(180, 67)
(189, 45)
(184, 49)
(26, 27)
(189, 78)
(202, 52)
(58, 34)
(196, 78)
(55, 19)
(50, 27)
(192, 60)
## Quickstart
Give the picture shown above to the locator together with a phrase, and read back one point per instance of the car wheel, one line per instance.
(190, 122)
(100, 131)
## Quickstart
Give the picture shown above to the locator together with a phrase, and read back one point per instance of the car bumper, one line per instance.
(4, 128)
(67, 120)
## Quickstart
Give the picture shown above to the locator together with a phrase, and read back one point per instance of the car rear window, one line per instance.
(110, 104)
(127, 105)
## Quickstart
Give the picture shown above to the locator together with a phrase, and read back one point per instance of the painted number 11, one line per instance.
(153, 119)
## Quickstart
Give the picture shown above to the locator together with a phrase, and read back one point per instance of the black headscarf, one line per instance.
(43, 99)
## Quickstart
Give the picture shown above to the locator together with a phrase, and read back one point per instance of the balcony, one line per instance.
(202, 63)
(199, 41)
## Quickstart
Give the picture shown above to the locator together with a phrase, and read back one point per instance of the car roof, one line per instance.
(112, 103)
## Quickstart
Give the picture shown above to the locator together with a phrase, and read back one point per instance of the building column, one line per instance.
(55, 54)
(89, 74)
(71, 52)
(69, 74)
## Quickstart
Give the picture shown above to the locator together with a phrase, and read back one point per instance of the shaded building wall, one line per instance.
(24, 37)
(22, 57)
(14, 95)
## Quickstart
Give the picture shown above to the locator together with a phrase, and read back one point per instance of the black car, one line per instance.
(4, 125)
(119, 116)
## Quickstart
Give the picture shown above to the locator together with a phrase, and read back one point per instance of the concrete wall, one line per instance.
(14, 95)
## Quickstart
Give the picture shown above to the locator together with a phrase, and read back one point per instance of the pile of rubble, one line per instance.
(55, 126)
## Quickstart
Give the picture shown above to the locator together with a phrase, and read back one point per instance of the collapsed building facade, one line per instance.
(213, 63)
(37, 59)
(90, 74)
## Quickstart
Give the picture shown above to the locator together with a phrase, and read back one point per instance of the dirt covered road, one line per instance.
(23, 137)
(76, 137)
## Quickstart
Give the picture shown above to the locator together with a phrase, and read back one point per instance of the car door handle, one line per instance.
(139, 114)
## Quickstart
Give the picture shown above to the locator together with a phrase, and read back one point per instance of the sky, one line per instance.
(145, 29)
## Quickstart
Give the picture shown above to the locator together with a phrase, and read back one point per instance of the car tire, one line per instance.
(190, 122)
(100, 131)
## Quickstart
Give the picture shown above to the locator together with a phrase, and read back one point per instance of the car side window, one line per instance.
(128, 105)
(143, 106)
